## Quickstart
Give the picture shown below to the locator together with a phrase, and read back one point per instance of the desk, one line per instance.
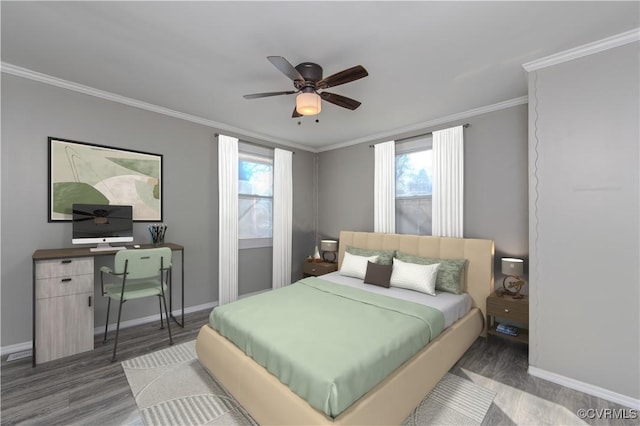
(65, 299)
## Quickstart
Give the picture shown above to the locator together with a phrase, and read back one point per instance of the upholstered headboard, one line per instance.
(479, 253)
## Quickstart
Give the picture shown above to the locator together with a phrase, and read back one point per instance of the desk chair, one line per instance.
(143, 273)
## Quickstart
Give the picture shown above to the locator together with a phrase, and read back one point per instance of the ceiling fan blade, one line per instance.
(340, 100)
(342, 77)
(265, 95)
(295, 114)
(285, 67)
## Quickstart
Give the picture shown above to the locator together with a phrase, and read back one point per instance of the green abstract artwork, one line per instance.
(82, 173)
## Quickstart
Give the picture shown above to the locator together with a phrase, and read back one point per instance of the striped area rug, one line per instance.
(454, 401)
(172, 388)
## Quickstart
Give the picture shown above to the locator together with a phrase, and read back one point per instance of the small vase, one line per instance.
(316, 254)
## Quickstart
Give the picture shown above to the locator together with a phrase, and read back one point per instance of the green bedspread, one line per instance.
(329, 343)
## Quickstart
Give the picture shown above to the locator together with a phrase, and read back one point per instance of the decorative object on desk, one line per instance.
(316, 255)
(507, 329)
(157, 231)
(512, 268)
(329, 246)
(83, 173)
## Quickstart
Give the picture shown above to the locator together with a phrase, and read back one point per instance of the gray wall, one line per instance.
(585, 197)
(32, 111)
(345, 190)
(495, 200)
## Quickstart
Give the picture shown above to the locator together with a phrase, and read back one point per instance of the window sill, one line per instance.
(252, 243)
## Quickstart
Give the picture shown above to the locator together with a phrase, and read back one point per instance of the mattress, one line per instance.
(329, 343)
(453, 306)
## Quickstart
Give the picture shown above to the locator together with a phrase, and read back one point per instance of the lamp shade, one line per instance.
(328, 245)
(308, 103)
(511, 266)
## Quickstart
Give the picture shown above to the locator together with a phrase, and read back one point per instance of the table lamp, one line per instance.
(329, 246)
(513, 268)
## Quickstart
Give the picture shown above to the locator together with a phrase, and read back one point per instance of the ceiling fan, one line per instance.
(308, 82)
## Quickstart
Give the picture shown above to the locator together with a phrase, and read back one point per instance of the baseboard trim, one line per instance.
(155, 317)
(587, 388)
(176, 313)
(19, 347)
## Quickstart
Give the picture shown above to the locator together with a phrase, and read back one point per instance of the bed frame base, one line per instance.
(392, 400)
(270, 402)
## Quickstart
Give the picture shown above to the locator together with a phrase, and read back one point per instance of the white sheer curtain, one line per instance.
(282, 216)
(384, 188)
(448, 182)
(228, 219)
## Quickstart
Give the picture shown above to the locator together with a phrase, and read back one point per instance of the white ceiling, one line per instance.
(426, 60)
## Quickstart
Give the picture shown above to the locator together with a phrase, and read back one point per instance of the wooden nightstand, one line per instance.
(508, 308)
(315, 269)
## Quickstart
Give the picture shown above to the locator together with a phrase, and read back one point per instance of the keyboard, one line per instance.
(93, 249)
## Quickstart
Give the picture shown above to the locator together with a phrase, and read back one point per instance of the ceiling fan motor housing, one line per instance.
(310, 71)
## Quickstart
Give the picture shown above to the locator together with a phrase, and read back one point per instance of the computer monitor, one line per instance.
(102, 224)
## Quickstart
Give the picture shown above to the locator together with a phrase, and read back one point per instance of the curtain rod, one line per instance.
(255, 143)
(420, 136)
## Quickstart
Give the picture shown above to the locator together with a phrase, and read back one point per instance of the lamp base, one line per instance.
(333, 253)
(517, 284)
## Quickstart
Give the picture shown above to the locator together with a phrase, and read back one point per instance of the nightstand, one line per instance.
(511, 309)
(315, 269)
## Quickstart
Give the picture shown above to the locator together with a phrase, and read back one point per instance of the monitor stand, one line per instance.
(106, 247)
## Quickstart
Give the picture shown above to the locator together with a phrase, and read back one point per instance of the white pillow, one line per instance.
(355, 266)
(415, 277)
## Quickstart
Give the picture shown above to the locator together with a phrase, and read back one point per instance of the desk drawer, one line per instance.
(64, 286)
(64, 267)
(508, 308)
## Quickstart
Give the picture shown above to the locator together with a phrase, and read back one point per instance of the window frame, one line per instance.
(421, 143)
(258, 154)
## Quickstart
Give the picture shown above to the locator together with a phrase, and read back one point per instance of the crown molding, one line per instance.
(424, 126)
(87, 90)
(234, 131)
(627, 37)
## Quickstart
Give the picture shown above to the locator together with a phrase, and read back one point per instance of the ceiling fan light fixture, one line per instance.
(308, 103)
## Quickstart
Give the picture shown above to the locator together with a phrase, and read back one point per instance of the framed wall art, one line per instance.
(85, 173)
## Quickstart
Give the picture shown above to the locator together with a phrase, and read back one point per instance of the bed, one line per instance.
(269, 401)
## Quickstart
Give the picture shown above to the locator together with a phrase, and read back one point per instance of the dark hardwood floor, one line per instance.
(88, 389)
(85, 389)
(523, 399)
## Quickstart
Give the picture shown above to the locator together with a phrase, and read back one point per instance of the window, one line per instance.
(413, 186)
(255, 196)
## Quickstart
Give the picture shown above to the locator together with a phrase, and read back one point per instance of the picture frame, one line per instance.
(86, 173)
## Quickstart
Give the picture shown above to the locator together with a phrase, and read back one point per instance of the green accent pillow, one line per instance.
(449, 274)
(385, 257)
